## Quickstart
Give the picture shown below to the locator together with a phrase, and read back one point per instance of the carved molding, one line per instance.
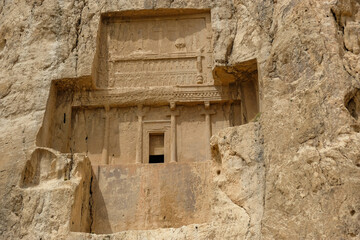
(177, 94)
(155, 51)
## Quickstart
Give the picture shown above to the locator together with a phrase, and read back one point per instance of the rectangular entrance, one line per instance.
(156, 148)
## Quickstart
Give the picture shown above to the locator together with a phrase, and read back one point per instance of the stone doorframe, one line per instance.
(154, 127)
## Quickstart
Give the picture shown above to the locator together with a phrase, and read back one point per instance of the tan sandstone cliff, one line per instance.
(291, 172)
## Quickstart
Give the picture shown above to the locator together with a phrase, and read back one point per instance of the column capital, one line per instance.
(207, 104)
(140, 111)
(207, 110)
(172, 106)
(173, 111)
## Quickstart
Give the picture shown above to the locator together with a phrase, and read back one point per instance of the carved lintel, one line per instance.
(157, 121)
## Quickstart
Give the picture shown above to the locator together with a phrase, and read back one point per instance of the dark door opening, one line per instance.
(156, 145)
(156, 159)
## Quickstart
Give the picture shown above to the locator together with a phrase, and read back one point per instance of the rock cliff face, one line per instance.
(292, 172)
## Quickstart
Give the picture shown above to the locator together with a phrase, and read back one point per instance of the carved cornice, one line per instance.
(157, 96)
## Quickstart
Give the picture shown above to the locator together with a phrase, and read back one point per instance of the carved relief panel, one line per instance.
(156, 51)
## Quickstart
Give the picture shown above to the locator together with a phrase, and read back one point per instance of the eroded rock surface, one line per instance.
(294, 173)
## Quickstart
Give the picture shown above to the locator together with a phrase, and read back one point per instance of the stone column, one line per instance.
(199, 76)
(208, 112)
(139, 140)
(173, 115)
(105, 153)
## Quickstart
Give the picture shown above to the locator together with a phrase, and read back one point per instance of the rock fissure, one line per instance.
(70, 167)
(248, 233)
(91, 203)
(231, 44)
(78, 29)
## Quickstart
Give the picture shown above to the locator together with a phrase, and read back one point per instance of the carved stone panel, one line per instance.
(138, 197)
(156, 51)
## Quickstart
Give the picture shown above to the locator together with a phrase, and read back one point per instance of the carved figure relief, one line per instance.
(163, 50)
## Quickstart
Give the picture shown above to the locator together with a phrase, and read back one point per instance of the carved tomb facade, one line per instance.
(152, 99)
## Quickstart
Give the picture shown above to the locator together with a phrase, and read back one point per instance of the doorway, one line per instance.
(156, 148)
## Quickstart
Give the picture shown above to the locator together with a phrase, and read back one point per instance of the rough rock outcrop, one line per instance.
(293, 173)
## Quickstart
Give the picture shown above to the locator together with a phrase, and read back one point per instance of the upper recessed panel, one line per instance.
(155, 51)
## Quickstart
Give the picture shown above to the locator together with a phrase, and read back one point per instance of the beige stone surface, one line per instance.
(160, 196)
(293, 173)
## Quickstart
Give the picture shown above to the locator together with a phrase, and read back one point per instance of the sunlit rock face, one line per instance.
(180, 119)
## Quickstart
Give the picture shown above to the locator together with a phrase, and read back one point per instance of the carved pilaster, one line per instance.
(173, 148)
(208, 112)
(105, 150)
(139, 139)
(199, 76)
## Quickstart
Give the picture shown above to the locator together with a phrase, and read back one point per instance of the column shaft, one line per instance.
(105, 154)
(173, 138)
(208, 135)
(139, 142)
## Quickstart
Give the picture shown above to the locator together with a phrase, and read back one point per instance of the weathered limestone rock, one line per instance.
(239, 165)
(52, 187)
(292, 173)
(310, 180)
